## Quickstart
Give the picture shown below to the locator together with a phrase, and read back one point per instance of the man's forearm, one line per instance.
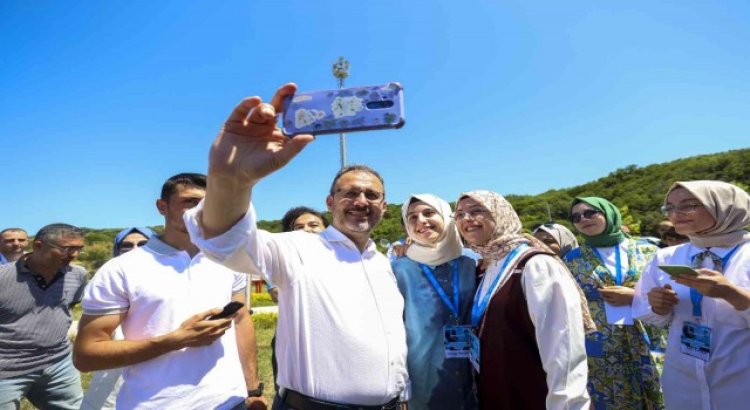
(248, 349)
(226, 202)
(110, 354)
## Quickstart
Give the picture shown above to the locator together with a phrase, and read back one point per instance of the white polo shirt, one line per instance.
(340, 335)
(159, 287)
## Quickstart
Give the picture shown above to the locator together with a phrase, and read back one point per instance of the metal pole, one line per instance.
(341, 71)
(342, 136)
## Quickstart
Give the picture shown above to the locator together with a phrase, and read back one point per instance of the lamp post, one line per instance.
(341, 71)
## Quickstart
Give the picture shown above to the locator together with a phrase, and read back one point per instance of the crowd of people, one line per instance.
(527, 321)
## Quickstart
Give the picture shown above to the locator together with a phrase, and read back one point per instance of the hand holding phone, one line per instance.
(344, 110)
(676, 271)
(229, 309)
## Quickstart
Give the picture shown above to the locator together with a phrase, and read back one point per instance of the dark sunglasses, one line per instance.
(576, 217)
(128, 245)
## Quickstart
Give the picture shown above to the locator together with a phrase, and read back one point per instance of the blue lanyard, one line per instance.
(618, 263)
(452, 306)
(477, 308)
(695, 296)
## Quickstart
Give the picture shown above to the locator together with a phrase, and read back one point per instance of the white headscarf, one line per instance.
(447, 247)
(728, 205)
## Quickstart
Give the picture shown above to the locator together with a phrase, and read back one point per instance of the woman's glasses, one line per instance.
(680, 209)
(576, 217)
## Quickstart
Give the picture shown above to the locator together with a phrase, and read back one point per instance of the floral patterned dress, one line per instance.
(623, 372)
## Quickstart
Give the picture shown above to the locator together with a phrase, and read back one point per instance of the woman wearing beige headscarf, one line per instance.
(707, 363)
(529, 322)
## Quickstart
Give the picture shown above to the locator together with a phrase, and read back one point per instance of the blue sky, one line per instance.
(101, 101)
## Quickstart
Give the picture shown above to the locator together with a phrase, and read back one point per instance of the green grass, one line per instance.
(264, 329)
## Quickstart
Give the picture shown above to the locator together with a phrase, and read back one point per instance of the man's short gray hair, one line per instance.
(53, 232)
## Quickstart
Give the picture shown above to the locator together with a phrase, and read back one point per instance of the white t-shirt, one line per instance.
(340, 335)
(160, 287)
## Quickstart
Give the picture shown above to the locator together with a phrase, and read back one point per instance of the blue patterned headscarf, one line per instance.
(127, 231)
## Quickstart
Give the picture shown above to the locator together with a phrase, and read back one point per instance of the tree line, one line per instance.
(638, 191)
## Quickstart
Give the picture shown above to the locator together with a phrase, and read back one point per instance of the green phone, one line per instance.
(678, 270)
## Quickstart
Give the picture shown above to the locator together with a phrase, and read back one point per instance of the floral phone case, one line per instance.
(344, 110)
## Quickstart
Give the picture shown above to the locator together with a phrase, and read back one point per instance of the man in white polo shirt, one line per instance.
(341, 342)
(162, 295)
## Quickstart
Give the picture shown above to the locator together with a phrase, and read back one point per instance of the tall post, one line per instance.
(341, 71)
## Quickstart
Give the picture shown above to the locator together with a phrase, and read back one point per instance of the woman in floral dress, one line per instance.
(622, 370)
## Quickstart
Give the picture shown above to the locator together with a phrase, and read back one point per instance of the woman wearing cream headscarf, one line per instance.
(557, 237)
(623, 372)
(528, 348)
(438, 286)
(707, 362)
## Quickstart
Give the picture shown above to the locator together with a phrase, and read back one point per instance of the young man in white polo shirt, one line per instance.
(162, 295)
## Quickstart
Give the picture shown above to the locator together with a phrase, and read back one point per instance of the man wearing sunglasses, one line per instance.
(341, 342)
(36, 294)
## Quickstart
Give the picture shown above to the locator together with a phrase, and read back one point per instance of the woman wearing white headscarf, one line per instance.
(438, 286)
(707, 363)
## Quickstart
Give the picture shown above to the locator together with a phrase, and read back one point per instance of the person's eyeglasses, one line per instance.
(576, 217)
(352, 194)
(472, 215)
(680, 209)
(66, 249)
(128, 246)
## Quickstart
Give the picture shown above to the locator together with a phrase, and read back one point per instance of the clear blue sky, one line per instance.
(101, 101)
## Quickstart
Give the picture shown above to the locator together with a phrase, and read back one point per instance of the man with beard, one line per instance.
(341, 342)
(36, 293)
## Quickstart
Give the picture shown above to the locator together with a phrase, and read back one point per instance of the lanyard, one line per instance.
(478, 308)
(696, 297)
(430, 275)
(618, 263)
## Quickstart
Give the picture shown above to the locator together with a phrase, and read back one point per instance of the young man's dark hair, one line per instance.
(187, 179)
(287, 222)
(355, 168)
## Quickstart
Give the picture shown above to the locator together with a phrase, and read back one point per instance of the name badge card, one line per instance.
(457, 341)
(696, 341)
(474, 353)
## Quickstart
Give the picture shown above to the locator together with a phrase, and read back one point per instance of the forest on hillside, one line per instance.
(637, 191)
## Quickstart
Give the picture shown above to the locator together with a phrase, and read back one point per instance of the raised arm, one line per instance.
(248, 148)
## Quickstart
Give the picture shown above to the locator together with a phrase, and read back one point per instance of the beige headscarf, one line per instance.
(508, 234)
(727, 204)
(448, 245)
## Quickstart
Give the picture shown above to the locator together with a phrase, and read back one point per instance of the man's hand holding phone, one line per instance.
(199, 330)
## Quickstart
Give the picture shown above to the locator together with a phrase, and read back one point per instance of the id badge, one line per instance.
(474, 352)
(695, 341)
(457, 341)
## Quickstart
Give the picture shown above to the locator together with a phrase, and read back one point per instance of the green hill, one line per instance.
(639, 192)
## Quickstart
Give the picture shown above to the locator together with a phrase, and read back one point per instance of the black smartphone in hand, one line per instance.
(230, 309)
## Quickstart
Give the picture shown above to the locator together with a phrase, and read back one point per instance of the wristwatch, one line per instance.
(256, 392)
